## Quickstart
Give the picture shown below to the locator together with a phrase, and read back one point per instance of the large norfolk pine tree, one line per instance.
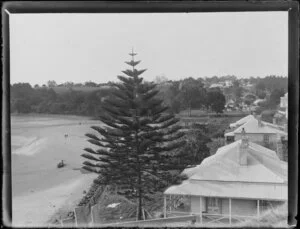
(137, 149)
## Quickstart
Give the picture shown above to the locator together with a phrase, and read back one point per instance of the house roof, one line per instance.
(230, 190)
(264, 176)
(263, 165)
(258, 101)
(241, 121)
(251, 126)
(216, 85)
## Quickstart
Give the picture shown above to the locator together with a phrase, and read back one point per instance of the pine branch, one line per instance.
(88, 156)
(93, 136)
(96, 142)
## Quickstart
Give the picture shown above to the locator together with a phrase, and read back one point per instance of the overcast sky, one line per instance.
(93, 47)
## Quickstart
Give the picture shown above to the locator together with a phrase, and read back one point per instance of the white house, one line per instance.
(284, 104)
(215, 85)
(266, 134)
(258, 101)
(241, 121)
(240, 181)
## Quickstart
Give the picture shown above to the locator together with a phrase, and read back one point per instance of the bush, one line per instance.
(268, 115)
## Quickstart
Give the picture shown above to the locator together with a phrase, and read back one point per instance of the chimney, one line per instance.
(274, 121)
(259, 120)
(243, 149)
(279, 148)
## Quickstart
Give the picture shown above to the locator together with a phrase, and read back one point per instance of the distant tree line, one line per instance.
(25, 99)
(186, 94)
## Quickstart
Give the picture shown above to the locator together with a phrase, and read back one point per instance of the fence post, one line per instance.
(200, 200)
(165, 206)
(258, 210)
(230, 211)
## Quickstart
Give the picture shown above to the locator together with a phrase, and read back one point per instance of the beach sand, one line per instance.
(39, 188)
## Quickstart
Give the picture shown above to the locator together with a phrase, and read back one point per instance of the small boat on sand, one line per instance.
(61, 164)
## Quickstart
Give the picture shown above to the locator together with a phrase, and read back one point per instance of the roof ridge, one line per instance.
(262, 164)
(282, 176)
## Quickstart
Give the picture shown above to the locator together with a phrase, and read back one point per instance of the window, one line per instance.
(266, 138)
(230, 139)
(213, 205)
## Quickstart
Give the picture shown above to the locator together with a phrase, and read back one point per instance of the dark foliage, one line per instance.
(25, 99)
(216, 101)
(135, 150)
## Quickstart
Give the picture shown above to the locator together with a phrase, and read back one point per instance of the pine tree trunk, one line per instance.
(140, 204)
(140, 214)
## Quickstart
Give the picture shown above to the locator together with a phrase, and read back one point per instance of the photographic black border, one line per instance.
(159, 7)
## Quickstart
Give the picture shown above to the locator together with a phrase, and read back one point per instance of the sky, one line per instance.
(94, 47)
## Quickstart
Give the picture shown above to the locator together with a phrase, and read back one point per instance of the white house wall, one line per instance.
(240, 207)
(256, 137)
(195, 204)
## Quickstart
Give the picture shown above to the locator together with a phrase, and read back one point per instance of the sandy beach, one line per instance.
(39, 188)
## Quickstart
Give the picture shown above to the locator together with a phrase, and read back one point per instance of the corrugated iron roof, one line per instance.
(252, 126)
(264, 176)
(241, 121)
(235, 190)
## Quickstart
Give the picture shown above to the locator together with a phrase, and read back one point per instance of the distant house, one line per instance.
(241, 121)
(281, 116)
(241, 180)
(228, 83)
(216, 85)
(230, 105)
(266, 134)
(258, 101)
(284, 104)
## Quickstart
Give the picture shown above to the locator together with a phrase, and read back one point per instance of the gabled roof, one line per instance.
(264, 176)
(252, 126)
(263, 165)
(241, 121)
(230, 190)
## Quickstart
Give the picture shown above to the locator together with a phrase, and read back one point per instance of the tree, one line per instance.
(22, 95)
(173, 97)
(215, 144)
(160, 79)
(196, 146)
(260, 89)
(274, 99)
(68, 84)
(260, 86)
(51, 83)
(192, 93)
(136, 150)
(261, 94)
(216, 101)
(249, 99)
(237, 91)
(90, 84)
(21, 106)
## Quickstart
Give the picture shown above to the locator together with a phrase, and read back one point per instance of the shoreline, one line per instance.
(41, 191)
(52, 202)
(49, 115)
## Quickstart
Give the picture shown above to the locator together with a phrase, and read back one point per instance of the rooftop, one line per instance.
(241, 121)
(252, 126)
(222, 174)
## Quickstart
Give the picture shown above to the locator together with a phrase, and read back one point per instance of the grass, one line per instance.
(276, 217)
(204, 113)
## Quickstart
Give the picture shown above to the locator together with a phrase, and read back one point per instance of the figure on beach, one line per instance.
(61, 164)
